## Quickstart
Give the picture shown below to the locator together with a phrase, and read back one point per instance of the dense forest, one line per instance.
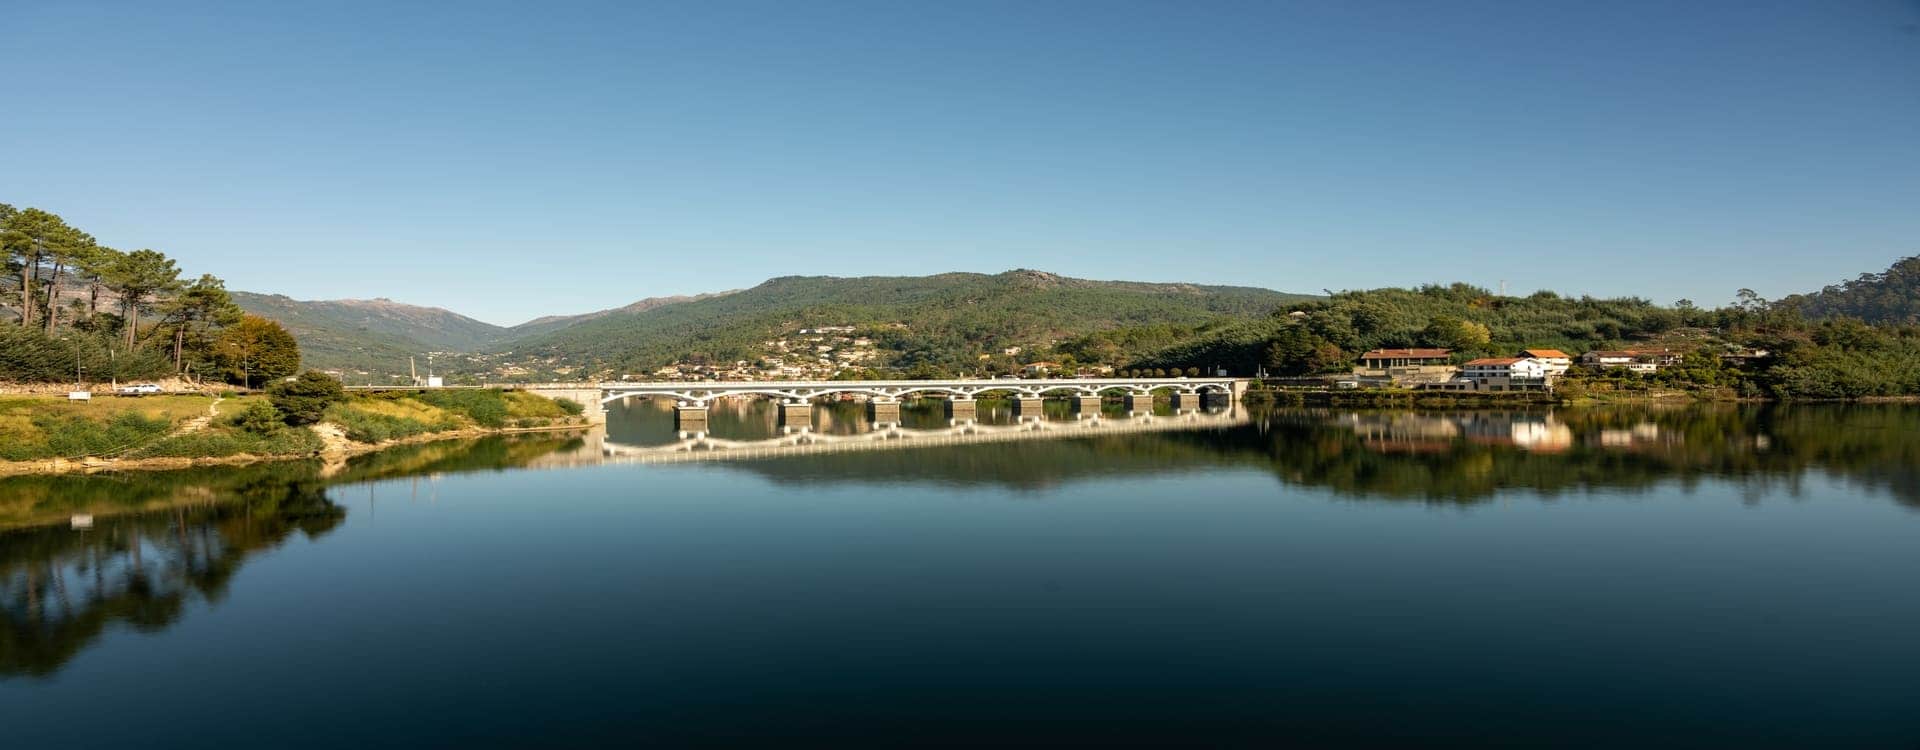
(1890, 297)
(79, 310)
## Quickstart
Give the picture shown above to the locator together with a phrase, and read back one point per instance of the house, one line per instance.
(1405, 366)
(1039, 369)
(1636, 360)
(1557, 362)
(1497, 374)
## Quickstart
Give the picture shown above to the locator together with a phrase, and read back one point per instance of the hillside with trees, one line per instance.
(944, 322)
(1889, 297)
(78, 310)
(1326, 335)
(376, 335)
(1751, 349)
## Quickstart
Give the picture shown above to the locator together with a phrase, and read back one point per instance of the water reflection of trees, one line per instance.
(61, 588)
(161, 539)
(1464, 457)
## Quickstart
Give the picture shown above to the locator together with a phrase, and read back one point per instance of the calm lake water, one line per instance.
(1701, 576)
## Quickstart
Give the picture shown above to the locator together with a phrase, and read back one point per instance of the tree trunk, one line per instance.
(53, 298)
(179, 341)
(133, 321)
(30, 267)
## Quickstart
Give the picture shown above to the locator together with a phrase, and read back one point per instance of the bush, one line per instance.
(72, 436)
(487, 408)
(259, 418)
(571, 407)
(232, 442)
(304, 400)
(369, 427)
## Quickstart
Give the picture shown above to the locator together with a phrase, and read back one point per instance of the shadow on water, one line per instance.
(161, 539)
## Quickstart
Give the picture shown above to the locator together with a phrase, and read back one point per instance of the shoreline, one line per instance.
(337, 449)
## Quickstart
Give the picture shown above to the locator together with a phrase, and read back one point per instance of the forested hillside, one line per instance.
(370, 335)
(1890, 297)
(944, 321)
(1752, 349)
(1327, 334)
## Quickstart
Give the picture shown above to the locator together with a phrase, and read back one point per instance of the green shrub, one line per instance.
(72, 436)
(368, 427)
(571, 407)
(304, 400)
(215, 443)
(487, 408)
(259, 417)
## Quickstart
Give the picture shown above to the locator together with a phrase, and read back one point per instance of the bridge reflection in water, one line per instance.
(700, 446)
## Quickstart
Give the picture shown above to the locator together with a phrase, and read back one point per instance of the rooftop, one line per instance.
(1407, 354)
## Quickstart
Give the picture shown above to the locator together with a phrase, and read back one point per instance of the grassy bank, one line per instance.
(49, 433)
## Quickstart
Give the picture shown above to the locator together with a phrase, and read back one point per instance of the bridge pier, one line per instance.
(585, 395)
(1029, 407)
(883, 410)
(1087, 406)
(796, 414)
(962, 409)
(1140, 403)
(1185, 402)
(690, 417)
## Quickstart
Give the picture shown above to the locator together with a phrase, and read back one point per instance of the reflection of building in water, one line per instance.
(1403, 433)
(1423, 433)
(1644, 433)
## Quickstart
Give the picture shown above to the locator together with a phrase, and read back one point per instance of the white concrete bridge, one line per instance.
(704, 447)
(692, 398)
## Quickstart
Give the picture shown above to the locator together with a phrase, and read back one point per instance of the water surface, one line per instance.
(1730, 576)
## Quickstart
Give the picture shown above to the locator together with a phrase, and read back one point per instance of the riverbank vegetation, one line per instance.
(294, 418)
(1800, 348)
(85, 312)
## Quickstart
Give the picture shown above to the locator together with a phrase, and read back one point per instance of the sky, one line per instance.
(512, 160)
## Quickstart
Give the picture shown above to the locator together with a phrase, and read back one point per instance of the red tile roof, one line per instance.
(1494, 361)
(1407, 354)
(1545, 353)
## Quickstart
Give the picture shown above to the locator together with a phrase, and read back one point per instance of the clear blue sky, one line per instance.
(516, 159)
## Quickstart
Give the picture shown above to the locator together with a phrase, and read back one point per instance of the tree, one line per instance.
(256, 350)
(304, 400)
(137, 276)
(33, 238)
(194, 312)
(93, 271)
(1453, 333)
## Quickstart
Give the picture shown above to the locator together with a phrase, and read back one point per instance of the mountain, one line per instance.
(1890, 297)
(551, 323)
(377, 334)
(945, 320)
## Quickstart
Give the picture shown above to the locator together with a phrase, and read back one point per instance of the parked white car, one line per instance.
(138, 389)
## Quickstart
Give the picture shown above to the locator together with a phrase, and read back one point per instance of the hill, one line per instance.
(377, 334)
(944, 321)
(551, 323)
(1890, 297)
(1328, 334)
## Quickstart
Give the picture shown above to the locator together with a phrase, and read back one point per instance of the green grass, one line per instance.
(379, 417)
(41, 427)
(229, 441)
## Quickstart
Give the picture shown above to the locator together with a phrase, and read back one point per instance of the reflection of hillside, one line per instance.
(1602, 448)
(61, 589)
(1449, 458)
